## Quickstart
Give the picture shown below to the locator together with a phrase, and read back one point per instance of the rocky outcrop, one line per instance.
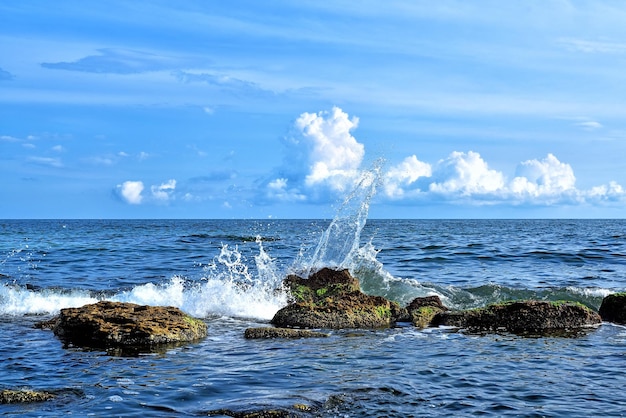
(333, 299)
(522, 317)
(422, 310)
(8, 396)
(613, 308)
(117, 324)
(270, 332)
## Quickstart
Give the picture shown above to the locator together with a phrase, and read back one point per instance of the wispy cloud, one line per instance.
(593, 47)
(116, 61)
(5, 75)
(46, 161)
(590, 125)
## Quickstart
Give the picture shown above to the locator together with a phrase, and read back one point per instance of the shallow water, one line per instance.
(226, 273)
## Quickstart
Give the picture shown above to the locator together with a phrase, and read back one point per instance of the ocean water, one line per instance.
(227, 272)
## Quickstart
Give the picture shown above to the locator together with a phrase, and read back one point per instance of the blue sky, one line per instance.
(249, 109)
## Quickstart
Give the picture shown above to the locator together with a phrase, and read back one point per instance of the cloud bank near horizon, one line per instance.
(323, 161)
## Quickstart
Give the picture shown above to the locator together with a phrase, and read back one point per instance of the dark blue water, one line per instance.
(225, 271)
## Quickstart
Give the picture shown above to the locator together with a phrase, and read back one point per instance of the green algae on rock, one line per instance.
(522, 317)
(333, 299)
(271, 332)
(117, 324)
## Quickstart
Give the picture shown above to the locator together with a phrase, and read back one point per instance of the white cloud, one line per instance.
(277, 189)
(610, 192)
(164, 191)
(322, 157)
(547, 178)
(334, 155)
(131, 191)
(324, 160)
(403, 177)
(466, 175)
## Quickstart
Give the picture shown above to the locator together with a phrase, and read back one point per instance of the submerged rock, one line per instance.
(422, 310)
(522, 317)
(8, 396)
(117, 324)
(259, 413)
(271, 332)
(333, 299)
(613, 308)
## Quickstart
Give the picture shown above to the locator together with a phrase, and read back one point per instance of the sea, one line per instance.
(229, 273)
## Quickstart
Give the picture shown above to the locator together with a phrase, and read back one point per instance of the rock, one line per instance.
(24, 396)
(333, 299)
(522, 317)
(321, 284)
(422, 310)
(271, 332)
(117, 324)
(613, 308)
(260, 413)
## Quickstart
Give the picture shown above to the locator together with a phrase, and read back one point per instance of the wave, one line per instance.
(227, 288)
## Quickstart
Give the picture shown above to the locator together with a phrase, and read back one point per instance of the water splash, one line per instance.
(340, 242)
(228, 288)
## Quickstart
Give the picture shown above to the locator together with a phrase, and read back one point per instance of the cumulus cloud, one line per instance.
(323, 158)
(465, 174)
(402, 179)
(547, 178)
(323, 161)
(131, 192)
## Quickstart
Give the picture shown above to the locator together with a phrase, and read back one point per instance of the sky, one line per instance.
(277, 109)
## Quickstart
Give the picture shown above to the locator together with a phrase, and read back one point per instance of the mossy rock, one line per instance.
(323, 284)
(271, 332)
(10, 396)
(260, 413)
(333, 299)
(522, 317)
(123, 325)
(422, 310)
(355, 310)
